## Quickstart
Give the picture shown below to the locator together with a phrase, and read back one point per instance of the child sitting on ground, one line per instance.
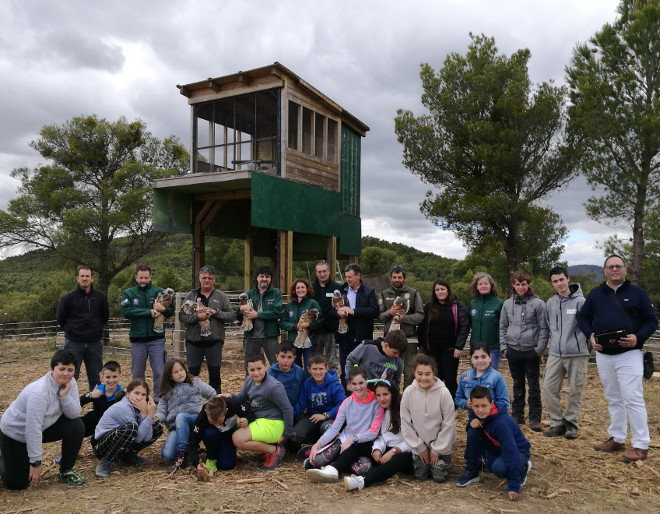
(288, 372)
(499, 437)
(337, 450)
(102, 397)
(126, 428)
(390, 451)
(428, 421)
(214, 426)
(181, 400)
(380, 358)
(45, 411)
(273, 412)
(482, 374)
(319, 400)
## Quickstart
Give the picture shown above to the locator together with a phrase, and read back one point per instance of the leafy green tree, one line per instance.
(614, 83)
(492, 144)
(95, 189)
(377, 261)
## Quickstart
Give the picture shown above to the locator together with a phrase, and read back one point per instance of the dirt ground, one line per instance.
(567, 475)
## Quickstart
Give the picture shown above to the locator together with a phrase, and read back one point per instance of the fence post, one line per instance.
(179, 328)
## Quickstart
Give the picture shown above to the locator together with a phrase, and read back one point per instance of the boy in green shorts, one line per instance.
(273, 412)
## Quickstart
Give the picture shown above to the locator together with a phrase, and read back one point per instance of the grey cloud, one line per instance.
(62, 59)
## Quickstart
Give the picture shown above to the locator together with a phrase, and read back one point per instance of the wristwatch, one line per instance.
(35, 464)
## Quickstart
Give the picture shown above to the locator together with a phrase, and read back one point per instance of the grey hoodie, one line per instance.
(523, 324)
(566, 338)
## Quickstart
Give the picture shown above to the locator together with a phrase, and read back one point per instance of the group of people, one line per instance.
(340, 415)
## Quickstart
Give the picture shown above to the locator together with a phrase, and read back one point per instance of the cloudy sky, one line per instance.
(125, 57)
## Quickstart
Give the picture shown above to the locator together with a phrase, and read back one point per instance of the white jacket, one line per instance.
(387, 439)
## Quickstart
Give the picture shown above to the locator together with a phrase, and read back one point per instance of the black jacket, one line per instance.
(328, 323)
(460, 328)
(234, 408)
(361, 323)
(82, 315)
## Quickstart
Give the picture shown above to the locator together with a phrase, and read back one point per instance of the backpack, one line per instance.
(649, 368)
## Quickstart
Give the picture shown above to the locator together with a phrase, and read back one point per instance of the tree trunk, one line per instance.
(638, 228)
(511, 252)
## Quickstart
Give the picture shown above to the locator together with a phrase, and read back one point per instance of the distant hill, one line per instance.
(586, 270)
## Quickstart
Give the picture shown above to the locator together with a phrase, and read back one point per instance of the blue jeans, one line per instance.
(498, 466)
(495, 356)
(155, 350)
(177, 440)
(478, 446)
(91, 353)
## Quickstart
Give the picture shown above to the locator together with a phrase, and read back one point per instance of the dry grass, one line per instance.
(567, 475)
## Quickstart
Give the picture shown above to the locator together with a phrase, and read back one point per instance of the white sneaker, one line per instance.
(325, 475)
(354, 482)
(523, 479)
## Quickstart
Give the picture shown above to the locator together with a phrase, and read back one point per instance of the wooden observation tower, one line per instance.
(274, 162)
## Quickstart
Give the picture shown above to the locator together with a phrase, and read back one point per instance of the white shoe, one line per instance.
(354, 482)
(325, 475)
(523, 480)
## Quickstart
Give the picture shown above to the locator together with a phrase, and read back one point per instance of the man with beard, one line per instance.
(390, 311)
(265, 313)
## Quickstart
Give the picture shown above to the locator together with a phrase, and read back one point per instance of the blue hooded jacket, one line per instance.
(292, 380)
(320, 398)
(508, 442)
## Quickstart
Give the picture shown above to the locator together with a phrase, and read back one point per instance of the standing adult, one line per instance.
(618, 304)
(359, 314)
(265, 313)
(568, 356)
(45, 411)
(443, 332)
(301, 293)
(217, 310)
(139, 305)
(82, 313)
(325, 335)
(485, 309)
(408, 322)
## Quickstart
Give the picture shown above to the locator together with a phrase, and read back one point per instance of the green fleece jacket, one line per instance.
(271, 310)
(485, 320)
(292, 312)
(136, 305)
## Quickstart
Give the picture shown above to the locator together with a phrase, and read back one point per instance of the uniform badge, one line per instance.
(135, 301)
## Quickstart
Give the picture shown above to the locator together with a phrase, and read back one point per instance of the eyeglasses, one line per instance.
(614, 266)
(398, 269)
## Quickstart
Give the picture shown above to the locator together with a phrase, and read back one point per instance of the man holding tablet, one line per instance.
(619, 305)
